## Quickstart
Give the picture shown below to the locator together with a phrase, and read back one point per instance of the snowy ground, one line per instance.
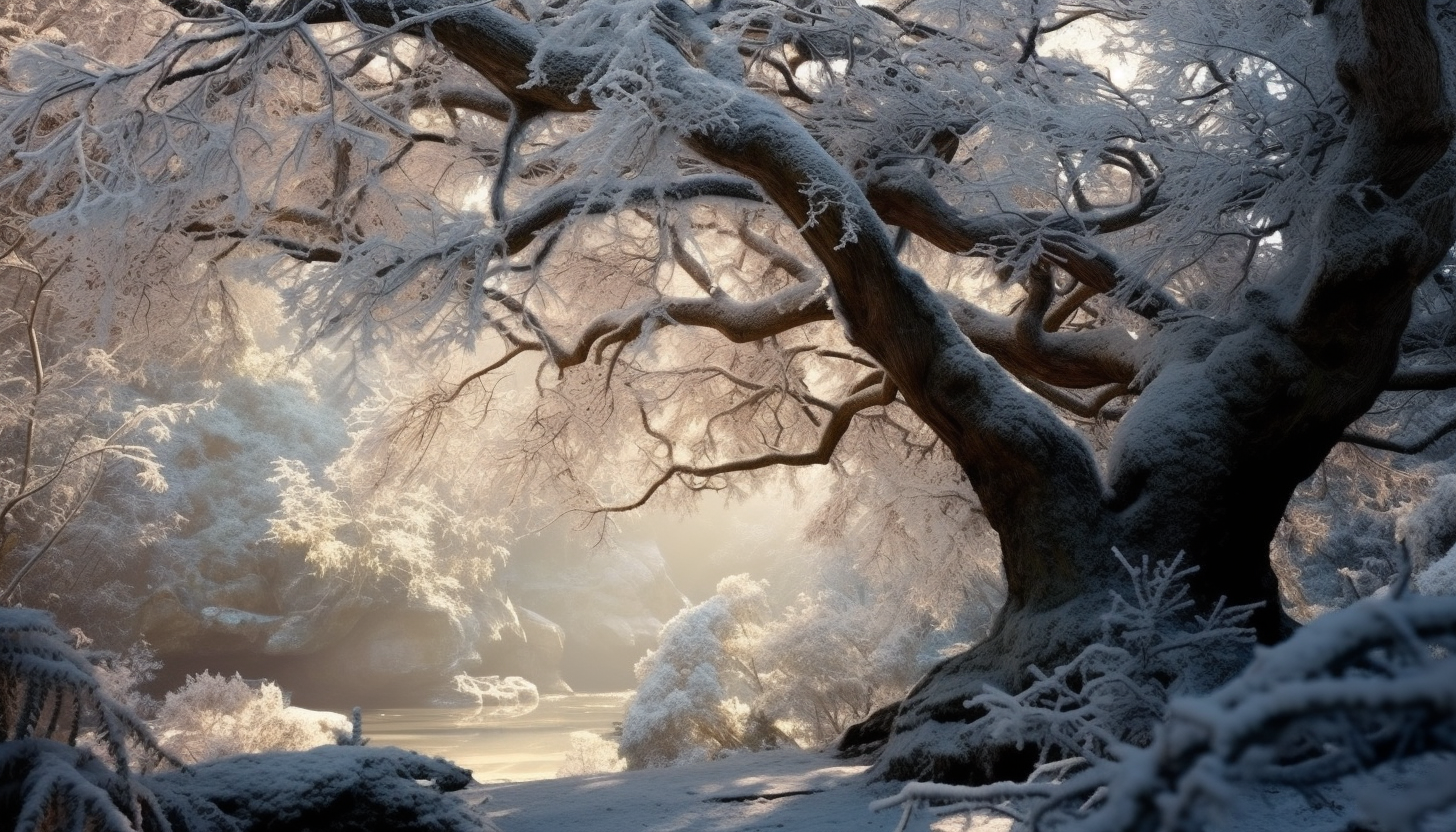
(792, 790)
(803, 791)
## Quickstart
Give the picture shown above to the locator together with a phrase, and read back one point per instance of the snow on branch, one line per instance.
(1355, 693)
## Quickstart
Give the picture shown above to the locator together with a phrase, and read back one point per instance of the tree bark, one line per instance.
(1233, 413)
(1240, 410)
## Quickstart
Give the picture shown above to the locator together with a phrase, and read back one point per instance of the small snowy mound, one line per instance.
(339, 787)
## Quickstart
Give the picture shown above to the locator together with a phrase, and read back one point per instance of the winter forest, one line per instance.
(886, 414)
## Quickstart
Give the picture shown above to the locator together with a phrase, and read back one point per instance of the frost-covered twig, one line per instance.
(1354, 692)
(1085, 718)
(49, 693)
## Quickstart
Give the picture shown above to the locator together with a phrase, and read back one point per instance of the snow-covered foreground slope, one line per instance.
(793, 790)
(800, 791)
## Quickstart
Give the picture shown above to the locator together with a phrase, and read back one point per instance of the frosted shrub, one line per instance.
(1365, 691)
(727, 677)
(689, 701)
(49, 694)
(214, 716)
(1116, 689)
(590, 754)
(831, 661)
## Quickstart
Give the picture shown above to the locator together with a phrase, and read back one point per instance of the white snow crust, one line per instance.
(700, 797)
(692, 798)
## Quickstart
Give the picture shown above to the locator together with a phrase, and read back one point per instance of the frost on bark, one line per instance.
(1238, 385)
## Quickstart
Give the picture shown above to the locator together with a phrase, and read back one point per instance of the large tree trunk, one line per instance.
(1234, 412)
(1241, 411)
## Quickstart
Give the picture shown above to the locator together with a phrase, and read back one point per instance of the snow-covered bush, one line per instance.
(214, 716)
(729, 676)
(690, 695)
(338, 787)
(1364, 693)
(590, 754)
(49, 695)
(831, 660)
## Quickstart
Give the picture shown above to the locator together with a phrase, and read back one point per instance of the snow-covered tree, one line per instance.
(695, 691)
(961, 236)
(71, 428)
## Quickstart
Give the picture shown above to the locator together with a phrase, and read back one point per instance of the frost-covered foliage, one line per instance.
(1439, 578)
(439, 558)
(590, 753)
(49, 695)
(1116, 691)
(122, 674)
(73, 430)
(687, 705)
(1355, 708)
(830, 660)
(213, 716)
(731, 675)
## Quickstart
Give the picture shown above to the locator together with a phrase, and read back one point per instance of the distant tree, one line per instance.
(746, 235)
(67, 422)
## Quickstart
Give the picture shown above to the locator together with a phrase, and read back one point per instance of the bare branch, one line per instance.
(876, 395)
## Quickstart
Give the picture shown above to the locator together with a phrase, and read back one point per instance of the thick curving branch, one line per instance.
(558, 203)
(1030, 469)
(1090, 408)
(1076, 360)
(738, 321)
(461, 97)
(905, 197)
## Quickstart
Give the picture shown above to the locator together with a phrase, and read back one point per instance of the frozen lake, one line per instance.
(496, 747)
